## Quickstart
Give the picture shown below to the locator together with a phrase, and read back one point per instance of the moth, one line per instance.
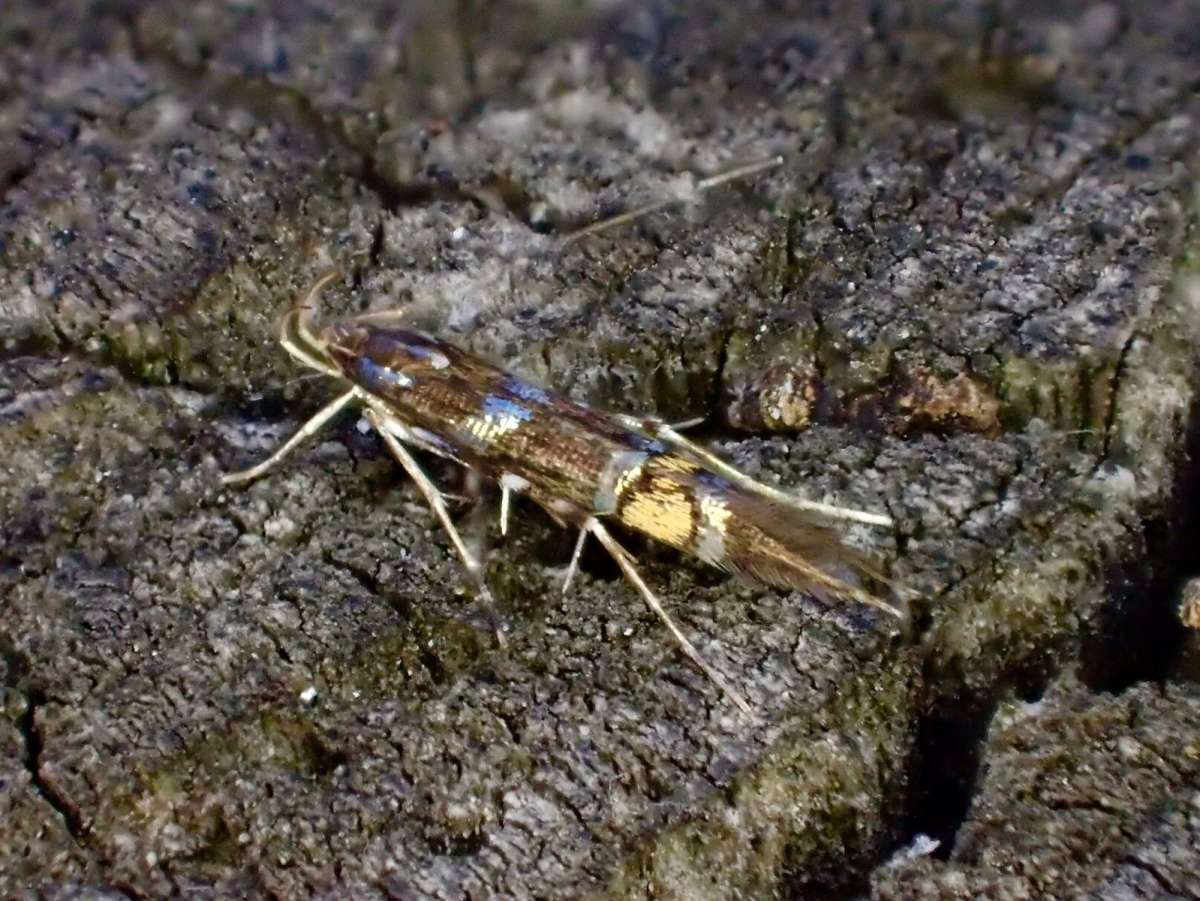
(583, 466)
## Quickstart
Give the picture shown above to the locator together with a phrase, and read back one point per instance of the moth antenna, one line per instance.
(671, 435)
(298, 339)
(705, 184)
(309, 301)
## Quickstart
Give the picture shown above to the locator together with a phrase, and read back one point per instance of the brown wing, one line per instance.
(786, 548)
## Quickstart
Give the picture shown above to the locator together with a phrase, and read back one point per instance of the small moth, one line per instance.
(584, 467)
(581, 465)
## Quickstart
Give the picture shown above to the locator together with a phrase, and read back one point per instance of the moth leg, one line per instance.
(510, 484)
(505, 492)
(625, 561)
(311, 427)
(573, 568)
(476, 538)
(434, 498)
(669, 434)
(475, 528)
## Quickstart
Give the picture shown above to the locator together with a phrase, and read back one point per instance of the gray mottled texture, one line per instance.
(1084, 796)
(966, 298)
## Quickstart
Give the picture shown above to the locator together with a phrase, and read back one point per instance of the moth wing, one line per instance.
(789, 548)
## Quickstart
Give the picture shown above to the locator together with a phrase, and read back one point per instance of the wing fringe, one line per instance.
(788, 548)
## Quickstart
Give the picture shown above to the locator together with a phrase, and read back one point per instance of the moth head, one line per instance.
(375, 355)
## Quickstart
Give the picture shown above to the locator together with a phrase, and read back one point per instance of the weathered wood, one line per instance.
(966, 298)
(1084, 796)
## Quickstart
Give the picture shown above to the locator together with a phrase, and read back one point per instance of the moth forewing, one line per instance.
(576, 462)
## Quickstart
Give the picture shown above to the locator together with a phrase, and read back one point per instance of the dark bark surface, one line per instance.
(967, 298)
(1085, 796)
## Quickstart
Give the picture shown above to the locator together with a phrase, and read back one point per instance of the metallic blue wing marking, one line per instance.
(503, 407)
(526, 391)
(642, 443)
(372, 373)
